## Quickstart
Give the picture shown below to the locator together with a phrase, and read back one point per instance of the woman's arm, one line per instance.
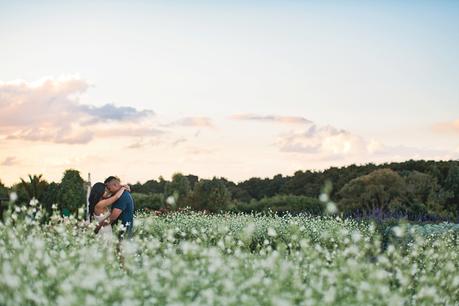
(102, 204)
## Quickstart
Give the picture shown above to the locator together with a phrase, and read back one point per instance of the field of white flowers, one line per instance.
(196, 259)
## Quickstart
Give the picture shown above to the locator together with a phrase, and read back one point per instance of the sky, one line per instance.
(233, 89)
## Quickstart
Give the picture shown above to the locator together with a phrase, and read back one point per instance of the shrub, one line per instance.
(284, 203)
(151, 201)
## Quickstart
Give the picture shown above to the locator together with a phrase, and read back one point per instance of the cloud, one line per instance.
(59, 135)
(192, 122)
(451, 127)
(271, 118)
(178, 141)
(142, 143)
(49, 110)
(136, 145)
(9, 161)
(200, 151)
(127, 131)
(326, 141)
(109, 112)
(319, 142)
(330, 143)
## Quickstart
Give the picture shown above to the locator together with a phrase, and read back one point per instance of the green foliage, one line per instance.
(452, 184)
(410, 189)
(34, 187)
(150, 186)
(283, 204)
(3, 190)
(23, 197)
(258, 188)
(72, 192)
(151, 201)
(211, 195)
(381, 190)
(50, 196)
(179, 187)
(426, 195)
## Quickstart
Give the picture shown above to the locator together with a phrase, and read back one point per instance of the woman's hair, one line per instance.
(97, 192)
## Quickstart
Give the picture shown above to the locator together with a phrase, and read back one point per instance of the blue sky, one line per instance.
(225, 78)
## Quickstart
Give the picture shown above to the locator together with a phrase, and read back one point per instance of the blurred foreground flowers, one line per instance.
(202, 259)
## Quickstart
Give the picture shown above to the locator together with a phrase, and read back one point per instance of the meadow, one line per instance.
(228, 259)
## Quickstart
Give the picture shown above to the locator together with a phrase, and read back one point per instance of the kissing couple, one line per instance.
(109, 203)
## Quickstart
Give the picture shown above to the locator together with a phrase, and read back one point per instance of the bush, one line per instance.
(210, 195)
(151, 201)
(284, 203)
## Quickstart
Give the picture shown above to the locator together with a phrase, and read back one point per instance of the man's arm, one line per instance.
(116, 212)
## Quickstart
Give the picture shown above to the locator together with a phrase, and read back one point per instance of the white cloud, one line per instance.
(271, 118)
(10, 161)
(330, 143)
(49, 110)
(192, 122)
(179, 141)
(326, 141)
(142, 143)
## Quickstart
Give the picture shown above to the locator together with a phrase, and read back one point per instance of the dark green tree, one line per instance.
(382, 190)
(3, 198)
(23, 197)
(426, 196)
(192, 179)
(179, 187)
(211, 195)
(452, 187)
(50, 196)
(3, 190)
(34, 187)
(72, 191)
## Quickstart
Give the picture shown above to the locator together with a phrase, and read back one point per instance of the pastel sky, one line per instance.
(237, 89)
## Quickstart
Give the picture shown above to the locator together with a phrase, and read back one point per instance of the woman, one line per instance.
(99, 203)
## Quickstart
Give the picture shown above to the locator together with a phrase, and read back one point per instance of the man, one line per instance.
(122, 209)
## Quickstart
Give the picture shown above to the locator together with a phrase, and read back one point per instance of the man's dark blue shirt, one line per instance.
(126, 204)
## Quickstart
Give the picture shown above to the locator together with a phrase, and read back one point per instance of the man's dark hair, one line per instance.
(110, 178)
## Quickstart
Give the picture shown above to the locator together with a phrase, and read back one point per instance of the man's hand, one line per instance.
(97, 229)
(111, 219)
(100, 225)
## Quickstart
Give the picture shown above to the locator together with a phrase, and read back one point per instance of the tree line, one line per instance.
(414, 189)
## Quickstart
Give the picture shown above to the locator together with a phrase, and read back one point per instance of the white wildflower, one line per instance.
(13, 196)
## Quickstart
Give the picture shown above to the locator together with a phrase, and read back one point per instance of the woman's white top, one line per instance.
(105, 231)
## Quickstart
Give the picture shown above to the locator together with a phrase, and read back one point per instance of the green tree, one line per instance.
(50, 196)
(150, 201)
(150, 186)
(283, 203)
(23, 197)
(3, 190)
(34, 187)
(3, 196)
(211, 195)
(179, 187)
(452, 187)
(237, 193)
(192, 179)
(426, 196)
(381, 190)
(72, 192)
